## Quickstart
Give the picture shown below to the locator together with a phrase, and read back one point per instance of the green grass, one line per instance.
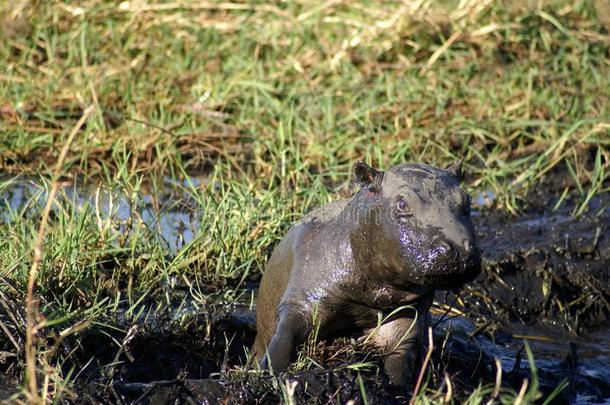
(293, 87)
(276, 102)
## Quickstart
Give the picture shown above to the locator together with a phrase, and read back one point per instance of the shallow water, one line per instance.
(550, 347)
(170, 213)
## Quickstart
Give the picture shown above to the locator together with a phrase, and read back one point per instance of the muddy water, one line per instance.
(545, 281)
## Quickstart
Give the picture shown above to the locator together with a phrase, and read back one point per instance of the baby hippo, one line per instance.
(369, 264)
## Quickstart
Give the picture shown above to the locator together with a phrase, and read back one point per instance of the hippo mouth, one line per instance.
(455, 275)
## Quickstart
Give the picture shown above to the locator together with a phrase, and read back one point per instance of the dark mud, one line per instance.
(545, 282)
(544, 267)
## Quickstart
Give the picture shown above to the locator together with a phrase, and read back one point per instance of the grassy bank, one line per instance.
(288, 88)
(274, 102)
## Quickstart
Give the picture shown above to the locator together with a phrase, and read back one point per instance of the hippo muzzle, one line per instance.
(451, 266)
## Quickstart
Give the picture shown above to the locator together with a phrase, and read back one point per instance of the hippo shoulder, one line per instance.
(318, 224)
(326, 214)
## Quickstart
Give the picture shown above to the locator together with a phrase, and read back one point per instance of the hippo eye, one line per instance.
(402, 208)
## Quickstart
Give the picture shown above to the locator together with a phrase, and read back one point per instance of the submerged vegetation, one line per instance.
(194, 133)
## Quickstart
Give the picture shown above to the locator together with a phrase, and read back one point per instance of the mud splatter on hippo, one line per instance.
(379, 255)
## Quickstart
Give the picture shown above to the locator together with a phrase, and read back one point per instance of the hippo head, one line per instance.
(412, 226)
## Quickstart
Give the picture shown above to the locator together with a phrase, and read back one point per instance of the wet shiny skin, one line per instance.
(406, 233)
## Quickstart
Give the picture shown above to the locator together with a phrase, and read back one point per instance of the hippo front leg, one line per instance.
(401, 341)
(289, 334)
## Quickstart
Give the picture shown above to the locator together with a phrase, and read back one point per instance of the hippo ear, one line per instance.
(456, 169)
(366, 177)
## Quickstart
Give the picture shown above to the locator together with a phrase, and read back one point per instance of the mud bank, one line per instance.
(544, 267)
